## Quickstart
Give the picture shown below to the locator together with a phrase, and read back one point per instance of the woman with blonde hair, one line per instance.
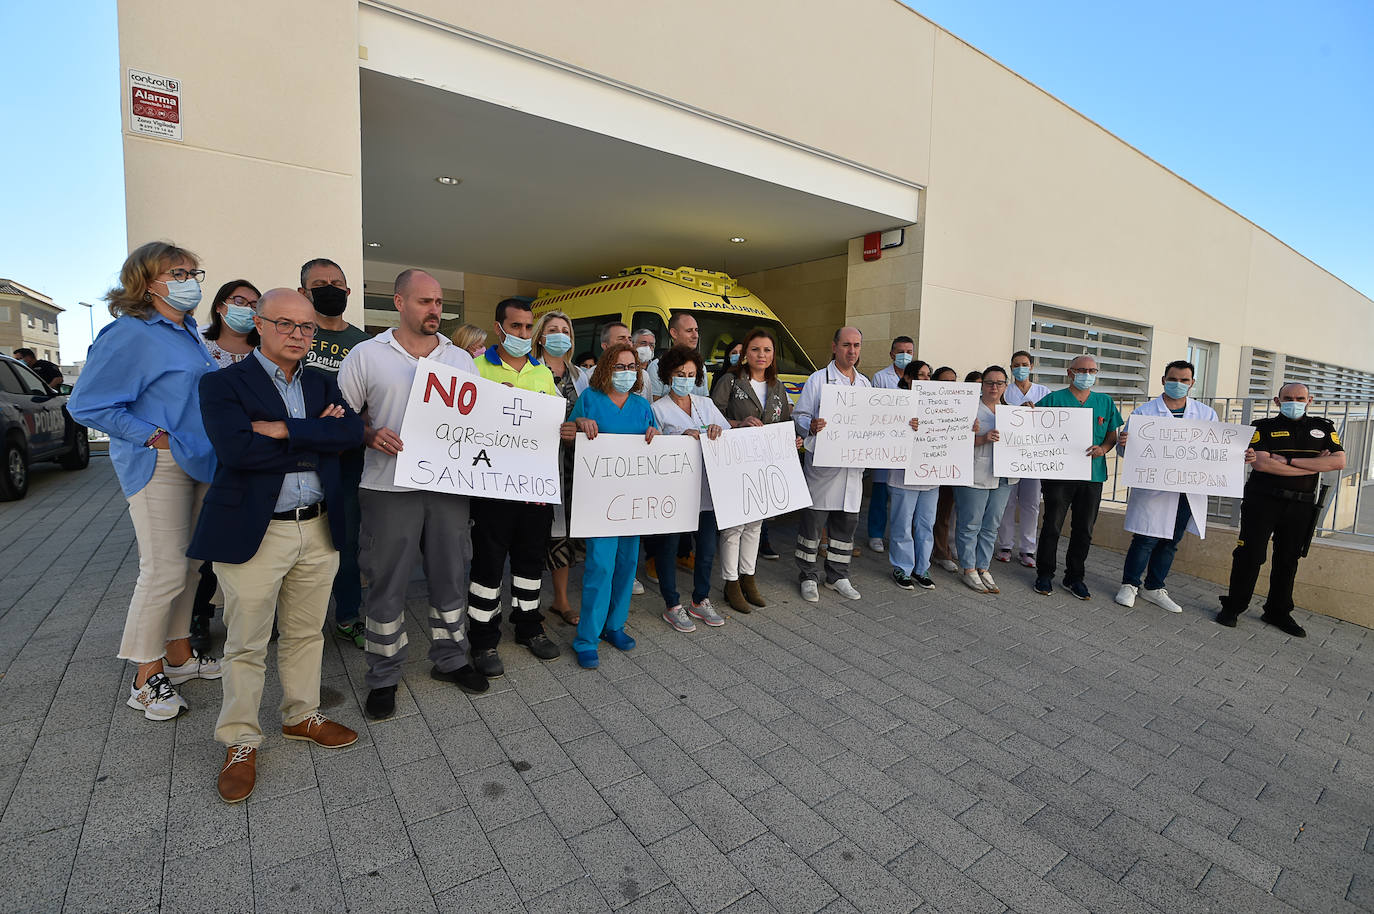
(141, 386)
(472, 338)
(553, 340)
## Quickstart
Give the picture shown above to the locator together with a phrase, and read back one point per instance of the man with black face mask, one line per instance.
(323, 282)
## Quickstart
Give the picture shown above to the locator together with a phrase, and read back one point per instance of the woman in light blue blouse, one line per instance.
(141, 386)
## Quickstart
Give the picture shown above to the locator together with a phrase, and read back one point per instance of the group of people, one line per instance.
(258, 454)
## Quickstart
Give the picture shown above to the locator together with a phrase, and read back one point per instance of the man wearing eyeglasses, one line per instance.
(277, 432)
(400, 525)
(1081, 496)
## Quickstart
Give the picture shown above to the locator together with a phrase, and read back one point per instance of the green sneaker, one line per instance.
(352, 631)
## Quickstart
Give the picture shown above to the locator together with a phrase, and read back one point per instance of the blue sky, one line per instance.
(1267, 106)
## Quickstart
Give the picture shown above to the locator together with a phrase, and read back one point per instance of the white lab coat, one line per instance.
(1151, 512)
(887, 378)
(832, 488)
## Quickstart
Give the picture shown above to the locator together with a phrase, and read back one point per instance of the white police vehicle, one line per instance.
(34, 426)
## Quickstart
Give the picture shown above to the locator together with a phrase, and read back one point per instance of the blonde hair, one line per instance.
(141, 268)
(468, 334)
(539, 333)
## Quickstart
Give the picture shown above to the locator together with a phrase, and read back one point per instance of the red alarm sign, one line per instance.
(873, 246)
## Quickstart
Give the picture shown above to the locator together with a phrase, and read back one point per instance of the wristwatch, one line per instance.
(152, 439)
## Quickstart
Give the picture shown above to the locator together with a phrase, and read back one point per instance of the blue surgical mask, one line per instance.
(1020, 372)
(1293, 409)
(516, 346)
(1084, 381)
(622, 381)
(557, 343)
(1176, 390)
(239, 318)
(734, 358)
(182, 294)
(683, 386)
(901, 360)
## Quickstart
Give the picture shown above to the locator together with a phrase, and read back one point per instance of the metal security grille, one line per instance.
(1329, 383)
(1122, 349)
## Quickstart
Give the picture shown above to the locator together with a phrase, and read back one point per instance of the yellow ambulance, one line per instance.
(646, 297)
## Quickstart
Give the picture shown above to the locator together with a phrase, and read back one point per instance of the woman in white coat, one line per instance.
(1023, 503)
(1158, 519)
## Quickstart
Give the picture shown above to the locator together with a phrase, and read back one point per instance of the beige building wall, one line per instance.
(884, 296)
(808, 297)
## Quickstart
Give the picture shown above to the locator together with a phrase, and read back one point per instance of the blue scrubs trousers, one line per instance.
(607, 583)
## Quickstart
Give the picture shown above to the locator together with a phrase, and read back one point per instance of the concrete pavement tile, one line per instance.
(1361, 892)
(1089, 887)
(223, 873)
(591, 692)
(618, 863)
(686, 727)
(782, 876)
(665, 900)
(626, 724)
(1163, 888)
(646, 693)
(602, 761)
(667, 765)
(565, 718)
(753, 903)
(370, 836)
(443, 707)
(880, 835)
(469, 747)
(571, 802)
(425, 788)
(1026, 846)
(799, 775)
(941, 884)
(1062, 797)
(397, 886)
(284, 767)
(728, 766)
(536, 683)
(102, 879)
(124, 808)
(39, 869)
(644, 808)
(534, 856)
(954, 842)
(703, 875)
(349, 778)
(534, 753)
(400, 740)
(807, 738)
(718, 815)
(1013, 802)
(862, 881)
(756, 702)
(200, 820)
(1018, 888)
(504, 712)
(792, 820)
(1109, 857)
(1212, 846)
(581, 896)
(1307, 894)
(1226, 889)
(875, 749)
(293, 826)
(306, 885)
(745, 730)
(875, 787)
(499, 795)
(452, 849)
(491, 893)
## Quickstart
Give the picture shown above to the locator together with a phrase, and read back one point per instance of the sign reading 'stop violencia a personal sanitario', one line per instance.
(154, 105)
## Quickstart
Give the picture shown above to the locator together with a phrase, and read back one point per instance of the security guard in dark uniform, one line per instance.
(1288, 453)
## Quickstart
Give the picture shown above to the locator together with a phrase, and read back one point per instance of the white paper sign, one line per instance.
(943, 449)
(1043, 442)
(155, 106)
(755, 473)
(625, 487)
(1185, 455)
(864, 427)
(465, 435)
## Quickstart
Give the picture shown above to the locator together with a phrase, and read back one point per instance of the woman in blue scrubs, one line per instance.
(610, 404)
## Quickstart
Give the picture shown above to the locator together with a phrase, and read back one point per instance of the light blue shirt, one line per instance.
(142, 375)
(300, 489)
(658, 389)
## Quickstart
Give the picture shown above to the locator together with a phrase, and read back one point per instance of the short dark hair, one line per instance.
(584, 356)
(676, 320)
(973, 376)
(902, 339)
(909, 375)
(1025, 353)
(1005, 377)
(1181, 364)
(216, 327)
(606, 330)
(403, 279)
(507, 304)
(916, 366)
(24, 351)
(675, 358)
(320, 262)
(941, 370)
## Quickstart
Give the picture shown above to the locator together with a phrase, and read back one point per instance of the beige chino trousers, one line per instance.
(289, 578)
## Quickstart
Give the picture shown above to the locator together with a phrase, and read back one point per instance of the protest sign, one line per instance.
(1043, 443)
(942, 451)
(1185, 455)
(465, 435)
(754, 473)
(625, 487)
(864, 427)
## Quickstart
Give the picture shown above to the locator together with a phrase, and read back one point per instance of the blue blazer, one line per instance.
(248, 478)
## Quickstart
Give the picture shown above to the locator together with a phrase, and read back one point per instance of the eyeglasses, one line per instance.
(623, 367)
(241, 301)
(1084, 370)
(181, 275)
(994, 383)
(287, 327)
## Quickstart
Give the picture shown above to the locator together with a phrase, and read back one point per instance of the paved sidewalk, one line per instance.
(940, 751)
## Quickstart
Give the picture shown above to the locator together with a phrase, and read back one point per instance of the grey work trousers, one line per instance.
(841, 526)
(398, 527)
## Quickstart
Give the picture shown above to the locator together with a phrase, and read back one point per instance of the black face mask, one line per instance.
(329, 300)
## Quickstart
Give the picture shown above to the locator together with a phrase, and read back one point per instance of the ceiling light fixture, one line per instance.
(738, 239)
(374, 244)
(449, 182)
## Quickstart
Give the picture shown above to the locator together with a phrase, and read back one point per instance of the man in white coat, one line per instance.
(836, 492)
(1158, 519)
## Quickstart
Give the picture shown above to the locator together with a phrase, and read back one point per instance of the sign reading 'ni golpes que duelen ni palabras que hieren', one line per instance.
(754, 473)
(864, 427)
(465, 435)
(1043, 442)
(943, 447)
(1186, 455)
(625, 486)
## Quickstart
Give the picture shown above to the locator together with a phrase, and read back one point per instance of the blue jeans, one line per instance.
(607, 582)
(911, 522)
(664, 551)
(1151, 557)
(979, 513)
(877, 511)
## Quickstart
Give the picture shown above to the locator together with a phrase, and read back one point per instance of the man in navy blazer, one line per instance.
(277, 431)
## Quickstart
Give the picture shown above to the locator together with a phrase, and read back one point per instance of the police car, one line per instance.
(35, 426)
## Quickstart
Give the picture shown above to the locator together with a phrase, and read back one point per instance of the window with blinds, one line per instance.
(1329, 382)
(1122, 349)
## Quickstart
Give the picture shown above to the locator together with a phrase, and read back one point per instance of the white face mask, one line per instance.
(645, 353)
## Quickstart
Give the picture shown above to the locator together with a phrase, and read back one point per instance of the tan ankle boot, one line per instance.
(735, 597)
(751, 590)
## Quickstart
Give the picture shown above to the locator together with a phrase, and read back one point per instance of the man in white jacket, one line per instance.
(1158, 519)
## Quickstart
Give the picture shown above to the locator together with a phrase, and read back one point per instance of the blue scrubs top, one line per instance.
(634, 418)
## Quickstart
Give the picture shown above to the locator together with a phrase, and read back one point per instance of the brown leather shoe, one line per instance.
(751, 590)
(735, 597)
(321, 731)
(239, 774)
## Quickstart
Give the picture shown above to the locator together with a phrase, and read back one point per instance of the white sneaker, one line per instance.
(974, 581)
(877, 545)
(1161, 599)
(949, 565)
(810, 592)
(1126, 595)
(158, 699)
(988, 583)
(200, 666)
(637, 589)
(844, 588)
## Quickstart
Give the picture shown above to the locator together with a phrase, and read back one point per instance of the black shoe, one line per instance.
(381, 703)
(1226, 619)
(1044, 586)
(902, 579)
(923, 581)
(465, 678)
(766, 551)
(1077, 588)
(488, 663)
(540, 646)
(1284, 623)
